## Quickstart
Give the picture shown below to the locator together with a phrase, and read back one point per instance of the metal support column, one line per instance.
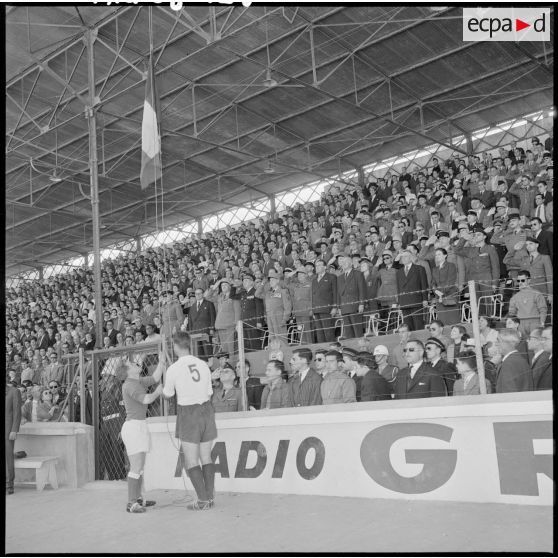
(200, 227)
(85, 260)
(41, 273)
(138, 245)
(272, 206)
(469, 144)
(361, 177)
(90, 37)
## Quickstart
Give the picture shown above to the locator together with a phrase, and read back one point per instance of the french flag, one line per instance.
(151, 167)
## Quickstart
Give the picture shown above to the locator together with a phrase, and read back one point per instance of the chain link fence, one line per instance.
(108, 412)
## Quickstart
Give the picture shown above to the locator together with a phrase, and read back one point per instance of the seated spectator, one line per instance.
(227, 398)
(33, 410)
(541, 367)
(348, 365)
(398, 352)
(254, 386)
(458, 337)
(528, 304)
(305, 382)
(513, 322)
(372, 386)
(418, 379)
(491, 360)
(386, 370)
(276, 393)
(274, 348)
(434, 349)
(515, 373)
(336, 386)
(487, 333)
(468, 384)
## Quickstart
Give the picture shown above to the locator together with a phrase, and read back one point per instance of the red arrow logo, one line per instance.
(520, 25)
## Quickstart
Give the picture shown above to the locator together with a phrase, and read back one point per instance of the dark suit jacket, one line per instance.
(545, 243)
(514, 375)
(426, 383)
(351, 291)
(42, 342)
(412, 288)
(445, 279)
(202, 320)
(448, 372)
(542, 372)
(307, 392)
(374, 387)
(324, 293)
(13, 410)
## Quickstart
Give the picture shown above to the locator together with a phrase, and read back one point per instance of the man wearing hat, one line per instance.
(514, 232)
(351, 293)
(433, 349)
(386, 370)
(300, 289)
(278, 306)
(481, 264)
(324, 301)
(172, 315)
(251, 313)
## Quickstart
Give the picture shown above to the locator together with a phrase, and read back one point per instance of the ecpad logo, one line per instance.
(506, 24)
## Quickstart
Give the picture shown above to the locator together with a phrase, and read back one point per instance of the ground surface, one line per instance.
(93, 520)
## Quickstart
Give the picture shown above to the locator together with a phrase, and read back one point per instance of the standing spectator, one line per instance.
(434, 349)
(387, 285)
(398, 352)
(251, 313)
(412, 290)
(304, 384)
(336, 386)
(487, 333)
(351, 293)
(227, 314)
(544, 238)
(528, 304)
(373, 385)
(418, 379)
(172, 315)
(11, 428)
(444, 285)
(468, 384)
(481, 264)
(278, 306)
(201, 320)
(324, 300)
(276, 393)
(436, 328)
(300, 290)
(540, 363)
(515, 373)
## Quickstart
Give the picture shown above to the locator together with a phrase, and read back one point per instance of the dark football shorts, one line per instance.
(196, 423)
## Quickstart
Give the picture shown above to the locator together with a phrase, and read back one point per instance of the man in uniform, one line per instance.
(301, 296)
(11, 428)
(251, 314)
(481, 264)
(528, 304)
(278, 306)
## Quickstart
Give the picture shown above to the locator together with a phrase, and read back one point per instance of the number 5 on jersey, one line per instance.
(195, 372)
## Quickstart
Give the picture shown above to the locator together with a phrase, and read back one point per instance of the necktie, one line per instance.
(199, 304)
(540, 213)
(407, 267)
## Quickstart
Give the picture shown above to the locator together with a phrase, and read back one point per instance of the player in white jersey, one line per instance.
(190, 378)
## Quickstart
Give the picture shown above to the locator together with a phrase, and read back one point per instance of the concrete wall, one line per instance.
(71, 442)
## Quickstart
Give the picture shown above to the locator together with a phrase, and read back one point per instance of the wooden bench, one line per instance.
(45, 468)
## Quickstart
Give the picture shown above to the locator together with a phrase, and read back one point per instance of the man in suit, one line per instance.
(514, 372)
(42, 339)
(351, 294)
(434, 348)
(540, 363)
(201, 319)
(251, 313)
(305, 383)
(412, 289)
(544, 237)
(12, 422)
(418, 379)
(324, 301)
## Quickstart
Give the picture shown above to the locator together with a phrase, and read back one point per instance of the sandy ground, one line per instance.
(93, 520)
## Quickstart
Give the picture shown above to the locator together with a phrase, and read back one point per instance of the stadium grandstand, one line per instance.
(341, 205)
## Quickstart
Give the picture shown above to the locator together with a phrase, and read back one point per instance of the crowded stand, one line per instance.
(392, 257)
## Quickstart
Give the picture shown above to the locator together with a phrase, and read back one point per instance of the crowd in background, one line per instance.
(400, 248)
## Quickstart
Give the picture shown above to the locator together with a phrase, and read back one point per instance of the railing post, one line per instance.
(476, 336)
(95, 411)
(241, 359)
(82, 384)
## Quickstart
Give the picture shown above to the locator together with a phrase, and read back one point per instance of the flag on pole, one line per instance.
(151, 167)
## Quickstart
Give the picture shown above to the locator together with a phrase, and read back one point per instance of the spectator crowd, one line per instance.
(396, 253)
